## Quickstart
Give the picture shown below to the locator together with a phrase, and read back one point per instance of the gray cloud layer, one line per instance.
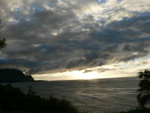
(53, 37)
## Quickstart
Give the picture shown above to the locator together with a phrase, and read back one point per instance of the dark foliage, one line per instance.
(14, 75)
(13, 100)
(2, 41)
(143, 97)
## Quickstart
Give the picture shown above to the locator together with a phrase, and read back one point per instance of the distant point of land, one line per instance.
(14, 75)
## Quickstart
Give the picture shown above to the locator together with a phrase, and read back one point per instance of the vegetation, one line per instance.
(12, 100)
(143, 97)
(2, 41)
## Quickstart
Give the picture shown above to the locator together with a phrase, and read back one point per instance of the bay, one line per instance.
(98, 96)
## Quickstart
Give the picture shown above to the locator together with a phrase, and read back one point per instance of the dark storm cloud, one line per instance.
(54, 40)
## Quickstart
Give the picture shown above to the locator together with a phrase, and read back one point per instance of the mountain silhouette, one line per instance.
(14, 75)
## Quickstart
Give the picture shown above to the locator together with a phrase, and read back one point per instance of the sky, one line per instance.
(76, 39)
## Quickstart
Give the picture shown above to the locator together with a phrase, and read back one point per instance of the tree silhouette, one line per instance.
(143, 97)
(2, 41)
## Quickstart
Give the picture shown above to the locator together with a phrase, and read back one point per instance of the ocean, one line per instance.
(97, 96)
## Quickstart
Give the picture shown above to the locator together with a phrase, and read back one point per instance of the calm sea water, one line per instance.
(98, 96)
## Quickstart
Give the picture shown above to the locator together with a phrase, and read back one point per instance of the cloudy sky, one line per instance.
(76, 39)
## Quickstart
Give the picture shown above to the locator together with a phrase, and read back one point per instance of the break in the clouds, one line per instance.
(58, 35)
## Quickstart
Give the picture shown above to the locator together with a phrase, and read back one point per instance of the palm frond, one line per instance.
(144, 84)
(144, 88)
(140, 74)
(139, 96)
(144, 75)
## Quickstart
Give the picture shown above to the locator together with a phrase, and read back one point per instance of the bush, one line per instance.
(13, 100)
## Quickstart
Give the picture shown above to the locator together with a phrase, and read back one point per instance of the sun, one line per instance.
(85, 76)
(70, 75)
